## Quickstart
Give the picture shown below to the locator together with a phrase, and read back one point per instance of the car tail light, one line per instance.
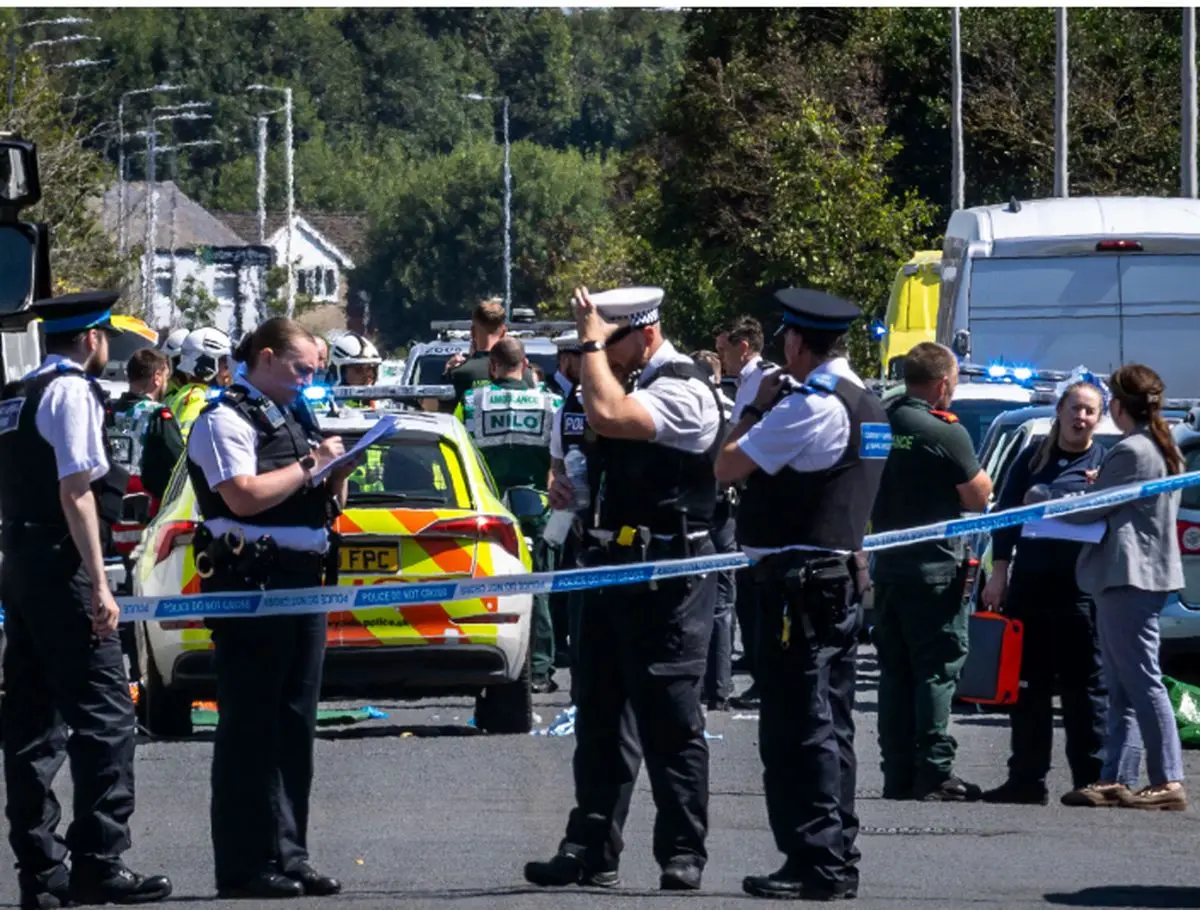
(1118, 246)
(477, 527)
(173, 534)
(1189, 537)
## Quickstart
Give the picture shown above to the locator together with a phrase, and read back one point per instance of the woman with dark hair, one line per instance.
(1060, 630)
(1130, 572)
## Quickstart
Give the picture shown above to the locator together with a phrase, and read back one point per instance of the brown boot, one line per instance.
(1096, 796)
(1162, 797)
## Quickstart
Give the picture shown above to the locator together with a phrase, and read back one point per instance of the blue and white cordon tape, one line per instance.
(324, 600)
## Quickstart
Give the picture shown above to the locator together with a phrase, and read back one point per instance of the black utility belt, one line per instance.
(15, 533)
(641, 544)
(256, 564)
(810, 565)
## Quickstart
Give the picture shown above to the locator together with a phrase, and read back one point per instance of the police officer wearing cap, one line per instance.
(811, 449)
(252, 459)
(642, 648)
(67, 691)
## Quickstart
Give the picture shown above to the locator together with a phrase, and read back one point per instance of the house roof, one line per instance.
(347, 234)
(194, 225)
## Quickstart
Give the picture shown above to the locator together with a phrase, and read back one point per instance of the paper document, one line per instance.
(386, 426)
(1057, 529)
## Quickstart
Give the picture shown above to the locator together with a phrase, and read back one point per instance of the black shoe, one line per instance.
(893, 790)
(718, 704)
(1018, 794)
(951, 790)
(786, 885)
(313, 882)
(264, 886)
(748, 700)
(118, 885)
(564, 869)
(681, 875)
(741, 665)
(543, 686)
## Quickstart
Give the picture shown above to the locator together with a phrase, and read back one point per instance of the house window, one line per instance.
(225, 288)
(162, 288)
(330, 283)
(302, 282)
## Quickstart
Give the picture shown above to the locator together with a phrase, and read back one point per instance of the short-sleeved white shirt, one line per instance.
(684, 411)
(748, 381)
(71, 418)
(224, 445)
(802, 432)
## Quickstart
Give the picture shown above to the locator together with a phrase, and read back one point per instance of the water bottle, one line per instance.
(577, 473)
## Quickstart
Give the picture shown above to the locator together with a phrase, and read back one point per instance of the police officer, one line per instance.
(740, 346)
(642, 648)
(66, 686)
(265, 525)
(920, 630)
(570, 432)
(512, 424)
(467, 373)
(811, 448)
(205, 362)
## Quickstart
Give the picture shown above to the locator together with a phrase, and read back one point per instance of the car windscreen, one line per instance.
(423, 471)
(977, 414)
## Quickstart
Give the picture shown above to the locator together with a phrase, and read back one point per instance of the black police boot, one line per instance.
(313, 882)
(789, 884)
(951, 790)
(564, 869)
(264, 886)
(47, 891)
(116, 885)
(1014, 792)
(681, 874)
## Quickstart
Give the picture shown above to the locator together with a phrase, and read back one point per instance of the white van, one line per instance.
(1054, 283)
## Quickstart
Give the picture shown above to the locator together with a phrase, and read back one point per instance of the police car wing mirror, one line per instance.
(20, 186)
(961, 345)
(525, 502)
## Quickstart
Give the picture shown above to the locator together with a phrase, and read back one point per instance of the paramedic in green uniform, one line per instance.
(932, 475)
(512, 425)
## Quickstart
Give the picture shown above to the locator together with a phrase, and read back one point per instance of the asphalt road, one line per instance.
(419, 811)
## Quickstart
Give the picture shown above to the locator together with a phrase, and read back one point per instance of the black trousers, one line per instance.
(806, 729)
(718, 676)
(746, 609)
(67, 698)
(642, 655)
(1060, 651)
(268, 685)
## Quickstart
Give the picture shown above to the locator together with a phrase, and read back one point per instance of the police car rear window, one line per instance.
(424, 472)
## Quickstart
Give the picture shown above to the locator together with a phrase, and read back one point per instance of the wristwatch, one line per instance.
(309, 464)
(752, 411)
(591, 347)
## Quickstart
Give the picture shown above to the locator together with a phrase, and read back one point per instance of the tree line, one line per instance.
(719, 153)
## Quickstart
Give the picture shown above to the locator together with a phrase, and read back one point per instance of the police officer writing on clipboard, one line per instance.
(811, 449)
(63, 667)
(642, 648)
(251, 460)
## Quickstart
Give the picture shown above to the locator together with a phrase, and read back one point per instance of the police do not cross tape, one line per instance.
(323, 600)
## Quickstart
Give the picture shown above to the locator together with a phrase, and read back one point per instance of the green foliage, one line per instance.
(437, 245)
(277, 295)
(195, 305)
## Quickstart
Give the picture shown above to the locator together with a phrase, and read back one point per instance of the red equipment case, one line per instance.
(991, 674)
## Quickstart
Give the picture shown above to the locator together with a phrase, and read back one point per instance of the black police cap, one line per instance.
(73, 313)
(805, 308)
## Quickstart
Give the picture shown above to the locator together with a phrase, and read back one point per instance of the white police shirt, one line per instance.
(71, 419)
(556, 444)
(748, 382)
(802, 432)
(224, 445)
(684, 411)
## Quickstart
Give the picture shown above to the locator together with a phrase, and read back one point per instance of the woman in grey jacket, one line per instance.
(1130, 572)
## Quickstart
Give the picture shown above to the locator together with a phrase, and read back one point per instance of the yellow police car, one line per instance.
(422, 507)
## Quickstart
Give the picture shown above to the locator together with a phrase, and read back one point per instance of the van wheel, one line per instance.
(162, 711)
(507, 708)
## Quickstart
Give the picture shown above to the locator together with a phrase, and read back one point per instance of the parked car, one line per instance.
(438, 515)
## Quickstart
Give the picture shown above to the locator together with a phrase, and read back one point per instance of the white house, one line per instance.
(324, 247)
(190, 242)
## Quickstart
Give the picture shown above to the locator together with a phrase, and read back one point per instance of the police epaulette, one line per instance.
(822, 383)
(947, 416)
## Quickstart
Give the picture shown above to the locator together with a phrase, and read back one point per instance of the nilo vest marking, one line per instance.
(511, 417)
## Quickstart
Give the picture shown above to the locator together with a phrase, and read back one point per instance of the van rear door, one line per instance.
(1160, 317)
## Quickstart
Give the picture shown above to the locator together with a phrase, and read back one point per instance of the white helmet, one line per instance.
(349, 349)
(173, 345)
(202, 352)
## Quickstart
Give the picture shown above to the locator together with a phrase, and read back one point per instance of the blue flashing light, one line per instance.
(316, 392)
(995, 371)
(214, 393)
(878, 330)
(1022, 374)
